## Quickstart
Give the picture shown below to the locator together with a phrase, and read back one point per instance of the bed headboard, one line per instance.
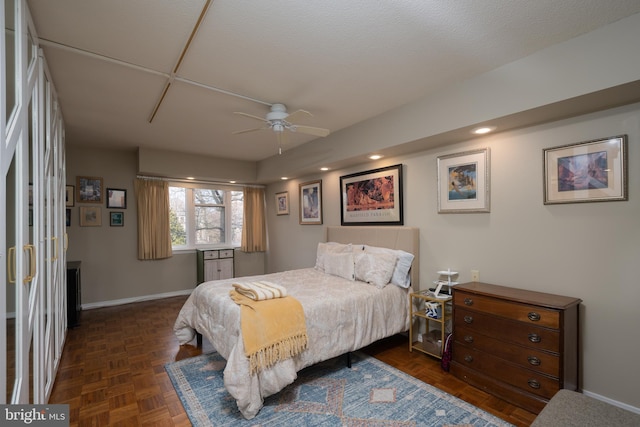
(394, 237)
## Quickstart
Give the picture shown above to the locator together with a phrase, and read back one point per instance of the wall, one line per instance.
(111, 271)
(588, 250)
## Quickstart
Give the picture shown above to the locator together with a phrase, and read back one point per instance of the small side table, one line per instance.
(431, 330)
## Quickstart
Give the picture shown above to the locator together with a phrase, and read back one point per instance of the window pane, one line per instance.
(209, 225)
(237, 216)
(208, 197)
(178, 216)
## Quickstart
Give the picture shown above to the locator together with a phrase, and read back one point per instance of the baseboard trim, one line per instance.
(612, 402)
(111, 303)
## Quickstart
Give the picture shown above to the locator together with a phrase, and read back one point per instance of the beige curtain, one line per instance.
(254, 230)
(154, 236)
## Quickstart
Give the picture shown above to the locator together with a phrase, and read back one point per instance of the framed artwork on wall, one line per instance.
(282, 203)
(372, 197)
(463, 182)
(89, 189)
(591, 171)
(90, 216)
(311, 202)
(116, 219)
(116, 198)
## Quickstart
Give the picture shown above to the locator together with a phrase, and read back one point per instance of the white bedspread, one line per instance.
(341, 316)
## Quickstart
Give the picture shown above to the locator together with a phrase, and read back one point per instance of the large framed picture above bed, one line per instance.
(372, 197)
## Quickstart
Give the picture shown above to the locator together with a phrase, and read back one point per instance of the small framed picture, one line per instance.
(592, 171)
(463, 182)
(116, 198)
(89, 189)
(311, 202)
(70, 196)
(282, 203)
(90, 216)
(116, 219)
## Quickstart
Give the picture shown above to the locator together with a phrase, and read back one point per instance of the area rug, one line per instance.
(370, 393)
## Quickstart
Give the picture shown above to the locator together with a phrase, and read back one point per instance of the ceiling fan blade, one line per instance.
(309, 130)
(250, 116)
(292, 117)
(248, 130)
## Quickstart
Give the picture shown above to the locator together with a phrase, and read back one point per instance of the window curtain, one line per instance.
(154, 236)
(254, 230)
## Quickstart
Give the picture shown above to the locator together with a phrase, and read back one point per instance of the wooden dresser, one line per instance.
(519, 345)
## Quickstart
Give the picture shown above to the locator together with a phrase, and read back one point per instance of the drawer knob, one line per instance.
(533, 384)
(534, 338)
(533, 360)
(468, 339)
(468, 301)
(468, 319)
(468, 358)
(533, 316)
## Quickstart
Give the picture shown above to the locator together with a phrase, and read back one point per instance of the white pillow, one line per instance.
(401, 276)
(373, 268)
(329, 247)
(340, 264)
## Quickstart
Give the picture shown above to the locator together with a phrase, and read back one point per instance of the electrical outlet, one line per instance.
(475, 275)
(419, 337)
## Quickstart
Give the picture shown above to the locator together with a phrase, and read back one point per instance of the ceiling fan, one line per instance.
(279, 121)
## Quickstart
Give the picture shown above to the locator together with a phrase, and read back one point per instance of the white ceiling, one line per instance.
(344, 61)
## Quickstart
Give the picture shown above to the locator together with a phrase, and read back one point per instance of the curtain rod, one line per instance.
(197, 181)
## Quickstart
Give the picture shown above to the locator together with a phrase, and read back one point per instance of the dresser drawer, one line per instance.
(511, 310)
(510, 332)
(226, 253)
(547, 363)
(211, 254)
(525, 379)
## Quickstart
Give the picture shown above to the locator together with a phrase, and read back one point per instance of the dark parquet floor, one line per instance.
(112, 369)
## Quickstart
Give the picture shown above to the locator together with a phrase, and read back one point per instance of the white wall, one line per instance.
(588, 250)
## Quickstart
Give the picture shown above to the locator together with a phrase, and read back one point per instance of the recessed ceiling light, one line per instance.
(324, 168)
(190, 177)
(284, 178)
(232, 182)
(484, 129)
(375, 156)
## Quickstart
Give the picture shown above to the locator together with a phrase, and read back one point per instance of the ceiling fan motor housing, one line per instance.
(278, 112)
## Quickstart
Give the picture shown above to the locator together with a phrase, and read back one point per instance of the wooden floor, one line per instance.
(112, 369)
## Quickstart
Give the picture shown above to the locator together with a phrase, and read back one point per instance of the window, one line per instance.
(204, 216)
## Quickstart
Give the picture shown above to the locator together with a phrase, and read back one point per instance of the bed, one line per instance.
(341, 314)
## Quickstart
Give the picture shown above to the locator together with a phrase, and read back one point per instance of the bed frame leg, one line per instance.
(349, 360)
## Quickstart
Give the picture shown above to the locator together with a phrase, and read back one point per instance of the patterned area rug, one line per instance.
(371, 393)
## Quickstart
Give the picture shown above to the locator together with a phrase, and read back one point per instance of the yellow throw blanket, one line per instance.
(273, 330)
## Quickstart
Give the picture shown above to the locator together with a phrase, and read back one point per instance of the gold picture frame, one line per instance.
(311, 202)
(282, 203)
(90, 216)
(89, 189)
